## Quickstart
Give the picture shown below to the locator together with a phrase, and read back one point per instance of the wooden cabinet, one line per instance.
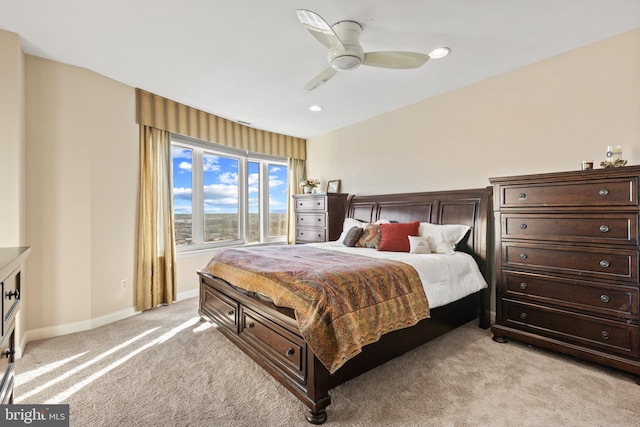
(10, 286)
(319, 217)
(567, 263)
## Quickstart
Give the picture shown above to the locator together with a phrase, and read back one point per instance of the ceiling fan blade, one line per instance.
(320, 79)
(395, 59)
(319, 28)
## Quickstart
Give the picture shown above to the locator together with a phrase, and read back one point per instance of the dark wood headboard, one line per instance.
(468, 207)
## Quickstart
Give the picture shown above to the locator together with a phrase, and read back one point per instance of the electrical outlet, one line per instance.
(124, 284)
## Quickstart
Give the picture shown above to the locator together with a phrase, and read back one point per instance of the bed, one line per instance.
(273, 338)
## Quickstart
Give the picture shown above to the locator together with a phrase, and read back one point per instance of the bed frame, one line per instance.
(270, 336)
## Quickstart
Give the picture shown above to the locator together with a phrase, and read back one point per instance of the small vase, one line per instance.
(307, 189)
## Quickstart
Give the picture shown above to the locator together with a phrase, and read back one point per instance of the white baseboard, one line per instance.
(85, 325)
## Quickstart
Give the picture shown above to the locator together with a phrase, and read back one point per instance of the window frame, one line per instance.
(199, 149)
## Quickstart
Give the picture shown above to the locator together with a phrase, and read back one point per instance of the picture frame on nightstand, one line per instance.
(333, 186)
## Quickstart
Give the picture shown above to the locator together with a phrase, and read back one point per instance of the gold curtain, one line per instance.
(155, 266)
(162, 113)
(296, 170)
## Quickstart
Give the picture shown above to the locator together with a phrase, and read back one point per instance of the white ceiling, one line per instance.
(248, 60)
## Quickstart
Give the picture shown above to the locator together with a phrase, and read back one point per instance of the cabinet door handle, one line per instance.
(604, 263)
(523, 286)
(604, 228)
(12, 293)
(523, 226)
(605, 298)
(523, 256)
(8, 353)
(522, 195)
(603, 192)
(605, 335)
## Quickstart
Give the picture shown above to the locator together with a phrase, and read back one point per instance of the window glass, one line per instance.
(220, 197)
(182, 160)
(224, 196)
(278, 194)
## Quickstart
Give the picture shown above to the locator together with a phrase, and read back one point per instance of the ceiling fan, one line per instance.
(345, 52)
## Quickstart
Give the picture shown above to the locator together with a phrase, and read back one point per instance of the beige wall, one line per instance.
(12, 143)
(545, 117)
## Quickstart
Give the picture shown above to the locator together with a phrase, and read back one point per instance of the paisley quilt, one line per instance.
(342, 301)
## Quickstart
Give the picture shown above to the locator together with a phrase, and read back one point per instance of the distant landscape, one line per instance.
(220, 227)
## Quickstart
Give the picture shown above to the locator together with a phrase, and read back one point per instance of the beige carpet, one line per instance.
(165, 368)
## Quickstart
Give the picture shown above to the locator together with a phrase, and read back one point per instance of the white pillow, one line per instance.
(419, 244)
(444, 237)
(347, 225)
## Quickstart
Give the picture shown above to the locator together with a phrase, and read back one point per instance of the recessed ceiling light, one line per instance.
(439, 52)
(315, 108)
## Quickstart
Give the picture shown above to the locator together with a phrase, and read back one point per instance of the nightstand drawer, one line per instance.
(311, 220)
(317, 203)
(619, 192)
(605, 263)
(310, 235)
(621, 229)
(579, 329)
(604, 299)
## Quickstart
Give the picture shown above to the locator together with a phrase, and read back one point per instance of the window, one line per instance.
(224, 196)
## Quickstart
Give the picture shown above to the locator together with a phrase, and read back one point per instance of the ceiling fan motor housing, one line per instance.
(349, 34)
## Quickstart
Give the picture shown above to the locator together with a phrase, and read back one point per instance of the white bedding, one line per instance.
(445, 278)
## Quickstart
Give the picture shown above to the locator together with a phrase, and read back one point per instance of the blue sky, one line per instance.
(221, 184)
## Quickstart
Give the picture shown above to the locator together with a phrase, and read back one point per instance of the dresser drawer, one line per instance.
(619, 229)
(605, 263)
(10, 288)
(310, 235)
(606, 192)
(285, 349)
(579, 329)
(318, 203)
(311, 220)
(598, 298)
(219, 307)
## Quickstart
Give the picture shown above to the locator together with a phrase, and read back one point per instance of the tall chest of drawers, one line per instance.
(567, 248)
(319, 217)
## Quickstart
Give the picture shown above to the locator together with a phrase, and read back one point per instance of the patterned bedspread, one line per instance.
(342, 302)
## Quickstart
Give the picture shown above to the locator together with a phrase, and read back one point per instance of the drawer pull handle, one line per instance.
(604, 228)
(603, 192)
(230, 313)
(289, 352)
(251, 325)
(8, 353)
(13, 293)
(523, 226)
(522, 195)
(301, 219)
(523, 256)
(604, 263)
(319, 219)
(605, 335)
(605, 298)
(523, 286)
(318, 203)
(523, 316)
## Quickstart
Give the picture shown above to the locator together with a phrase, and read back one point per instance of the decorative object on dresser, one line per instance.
(309, 184)
(333, 186)
(271, 336)
(567, 249)
(319, 217)
(11, 260)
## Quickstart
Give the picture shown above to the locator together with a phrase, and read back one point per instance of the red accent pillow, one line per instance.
(394, 237)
